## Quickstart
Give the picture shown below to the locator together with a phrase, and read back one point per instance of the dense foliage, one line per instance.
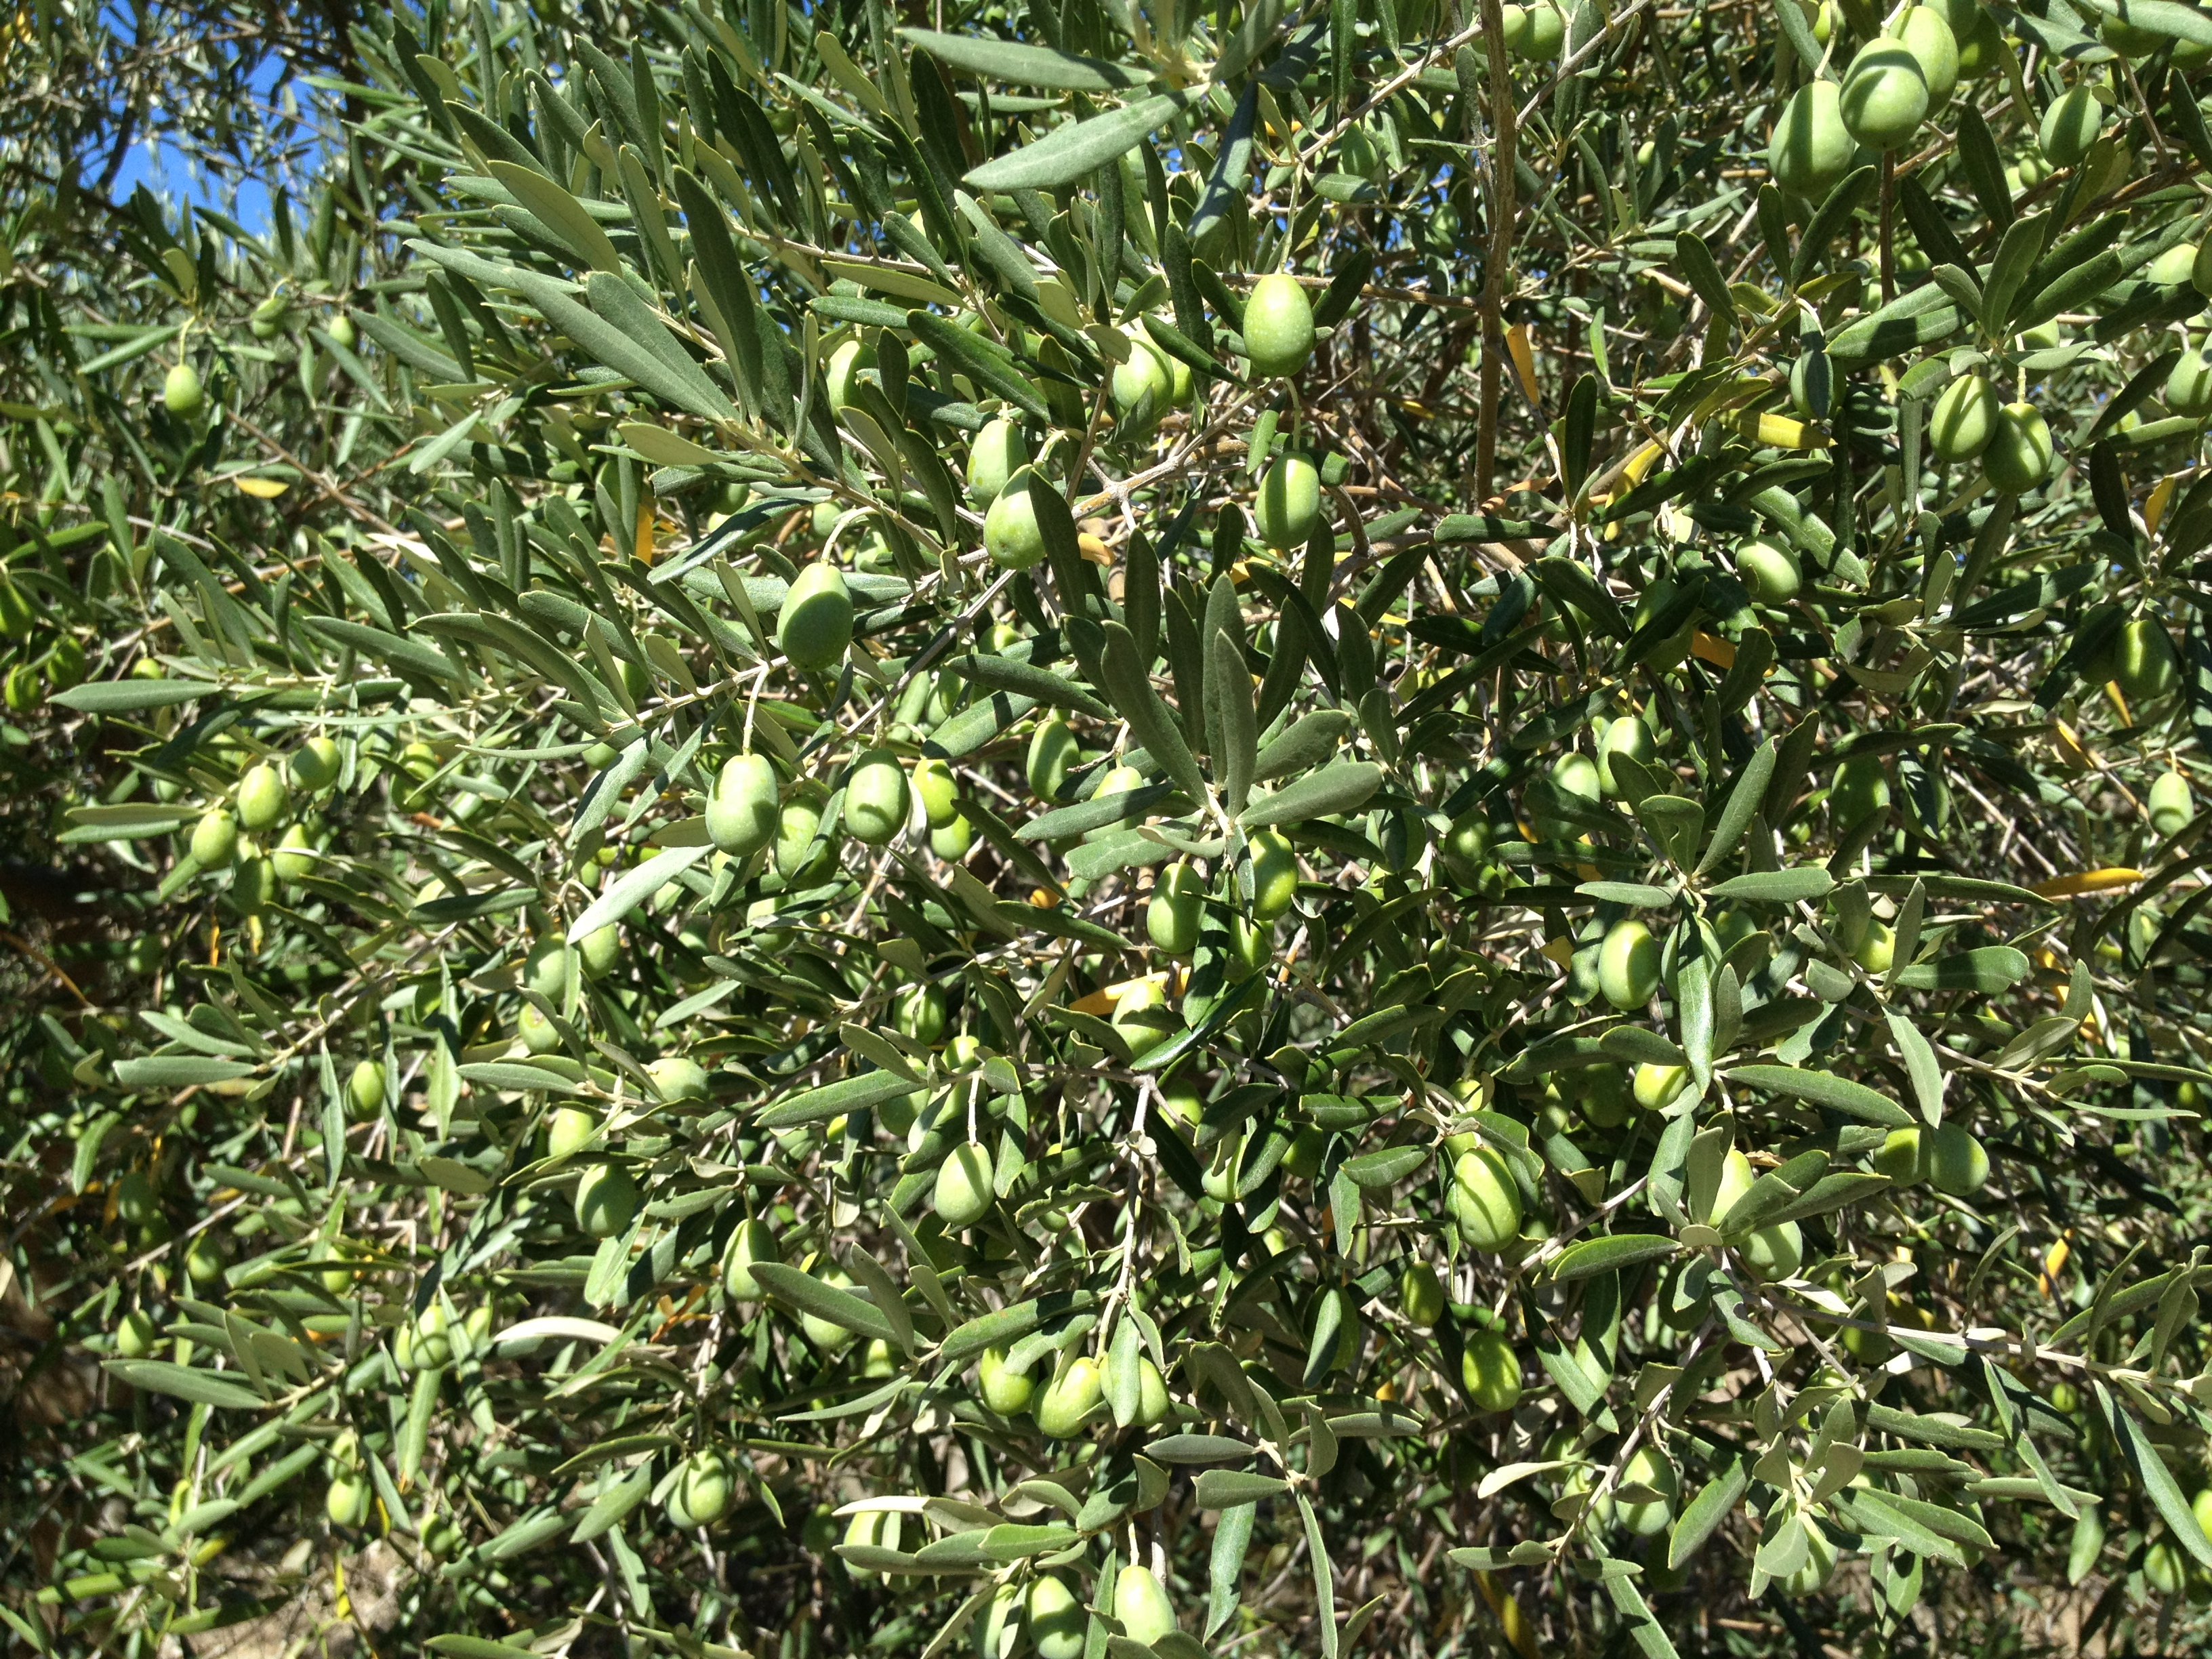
(1366, 827)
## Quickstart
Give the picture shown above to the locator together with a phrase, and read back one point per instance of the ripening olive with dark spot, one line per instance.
(1278, 325)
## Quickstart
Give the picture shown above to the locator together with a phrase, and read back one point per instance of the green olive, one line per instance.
(1859, 789)
(1053, 754)
(1141, 1604)
(1065, 1409)
(1770, 572)
(1490, 1372)
(315, 764)
(919, 1011)
(135, 1334)
(2020, 452)
(676, 1078)
(214, 839)
(1649, 1467)
(570, 1130)
(1623, 735)
(1811, 149)
(2189, 385)
(1172, 915)
(1924, 33)
(1628, 964)
(938, 788)
(1964, 419)
(294, 858)
(2070, 127)
(607, 1200)
(743, 809)
(2171, 803)
(1420, 1295)
(877, 799)
(253, 884)
(796, 827)
(950, 841)
(2173, 268)
(750, 1242)
(1904, 1157)
(1274, 874)
(1057, 1621)
(1485, 1200)
(348, 1502)
(1000, 451)
(815, 623)
(1885, 95)
(842, 381)
(1656, 1084)
(1288, 505)
(1876, 949)
(963, 1193)
(2144, 663)
(1278, 325)
(1957, 1163)
(181, 392)
(702, 1492)
(1005, 1391)
(1011, 534)
(1142, 385)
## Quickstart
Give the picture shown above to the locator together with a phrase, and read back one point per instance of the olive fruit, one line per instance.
(2130, 40)
(570, 1130)
(1774, 1251)
(2171, 803)
(828, 1339)
(347, 1502)
(1177, 904)
(1542, 33)
(842, 379)
(1965, 416)
(1289, 502)
(2174, 267)
(1278, 325)
(1927, 35)
(599, 950)
(267, 320)
(181, 392)
(1152, 1403)
(796, 827)
(2143, 662)
(1885, 95)
(1768, 571)
(676, 1078)
(815, 623)
(1057, 1622)
(1000, 450)
(607, 1200)
(1420, 1295)
(1657, 1086)
(752, 1241)
(950, 841)
(1628, 964)
(314, 765)
(1648, 1467)
(1957, 1163)
(1859, 789)
(1811, 149)
(962, 1193)
(1625, 735)
(1052, 756)
(938, 789)
(1064, 1408)
(365, 1087)
(1005, 1391)
(253, 886)
(875, 798)
(1274, 874)
(214, 839)
(1483, 1199)
(537, 1029)
(1490, 1372)
(1981, 44)
(875, 1529)
(1573, 775)
(1141, 1604)
(136, 1335)
(1011, 534)
(1812, 1574)
(2189, 385)
(1904, 1157)
(342, 332)
(2070, 127)
(919, 1012)
(743, 807)
(1876, 949)
(1674, 650)
(1142, 385)
(2019, 455)
(702, 1494)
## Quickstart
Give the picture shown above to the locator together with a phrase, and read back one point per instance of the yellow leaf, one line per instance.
(645, 535)
(1641, 463)
(2087, 881)
(2054, 1263)
(262, 490)
(1718, 652)
(1093, 549)
(1524, 360)
(1781, 432)
(2161, 497)
(1560, 949)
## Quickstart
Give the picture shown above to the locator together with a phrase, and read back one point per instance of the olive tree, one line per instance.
(1087, 829)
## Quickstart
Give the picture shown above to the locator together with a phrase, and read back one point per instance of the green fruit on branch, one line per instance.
(1278, 325)
(2070, 127)
(1011, 534)
(348, 1501)
(919, 1012)
(1859, 790)
(841, 380)
(828, 1337)
(676, 1079)
(815, 623)
(1628, 965)
(1542, 32)
(704, 1490)
(1657, 1085)
(1673, 650)
(950, 841)
(1964, 419)
(1904, 1157)
(135, 1334)
(743, 809)
(1141, 383)
(1057, 1621)
(1958, 1163)
(1649, 1468)
(1141, 1604)
(1483, 1199)
(294, 858)
(181, 392)
(214, 839)
(1420, 1295)
(1288, 505)
(365, 1087)
(2173, 268)
(1885, 95)
(872, 1529)
(2189, 385)
(569, 1130)
(253, 886)
(1173, 912)
(753, 1241)
(1490, 1372)
(607, 1200)
(2019, 451)
(1623, 735)
(2128, 39)
(964, 1192)
(1274, 874)
(2171, 803)
(1000, 451)
(315, 764)
(1811, 149)
(1065, 1408)
(1925, 34)
(1005, 1390)
(877, 800)
(938, 788)
(2144, 665)
(1768, 571)
(1053, 754)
